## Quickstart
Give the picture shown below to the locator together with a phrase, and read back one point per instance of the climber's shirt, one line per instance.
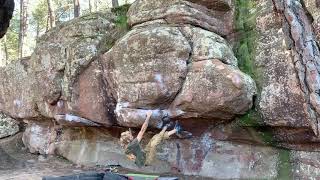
(148, 156)
(135, 148)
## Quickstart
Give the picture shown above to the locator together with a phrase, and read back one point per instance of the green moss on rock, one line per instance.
(245, 52)
(284, 165)
(251, 119)
(245, 24)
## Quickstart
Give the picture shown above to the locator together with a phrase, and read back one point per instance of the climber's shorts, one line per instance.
(135, 148)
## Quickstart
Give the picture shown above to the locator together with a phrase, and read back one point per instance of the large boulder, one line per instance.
(172, 70)
(214, 90)
(202, 14)
(63, 77)
(146, 69)
(16, 90)
(289, 95)
(68, 77)
(147, 66)
(6, 11)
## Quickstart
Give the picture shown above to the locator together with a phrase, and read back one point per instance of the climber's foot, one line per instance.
(182, 134)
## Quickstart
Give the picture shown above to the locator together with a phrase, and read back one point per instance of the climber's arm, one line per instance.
(144, 126)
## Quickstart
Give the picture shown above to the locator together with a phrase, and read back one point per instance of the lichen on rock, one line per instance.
(8, 126)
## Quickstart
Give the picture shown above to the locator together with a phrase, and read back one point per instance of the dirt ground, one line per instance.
(17, 164)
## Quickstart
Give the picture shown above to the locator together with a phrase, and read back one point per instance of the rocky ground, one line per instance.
(18, 164)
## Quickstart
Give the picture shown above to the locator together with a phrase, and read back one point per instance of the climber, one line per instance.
(134, 150)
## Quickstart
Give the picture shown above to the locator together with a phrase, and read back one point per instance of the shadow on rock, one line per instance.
(8, 162)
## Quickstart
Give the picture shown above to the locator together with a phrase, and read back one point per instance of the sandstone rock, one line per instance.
(207, 45)
(199, 156)
(6, 10)
(214, 90)
(63, 75)
(278, 48)
(305, 165)
(38, 137)
(282, 101)
(146, 68)
(8, 126)
(313, 6)
(219, 5)
(68, 76)
(184, 12)
(16, 90)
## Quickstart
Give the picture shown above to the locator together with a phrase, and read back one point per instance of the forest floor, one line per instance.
(16, 163)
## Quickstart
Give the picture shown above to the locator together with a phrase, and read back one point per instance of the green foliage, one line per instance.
(121, 20)
(39, 15)
(12, 39)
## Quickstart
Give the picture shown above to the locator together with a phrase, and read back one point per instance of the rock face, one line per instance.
(173, 67)
(91, 146)
(59, 59)
(60, 78)
(313, 8)
(214, 90)
(280, 89)
(16, 92)
(8, 126)
(6, 11)
(200, 13)
(243, 71)
(277, 46)
(169, 68)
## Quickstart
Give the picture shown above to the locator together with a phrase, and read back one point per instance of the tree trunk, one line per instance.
(115, 3)
(51, 14)
(76, 8)
(90, 7)
(38, 31)
(95, 5)
(23, 25)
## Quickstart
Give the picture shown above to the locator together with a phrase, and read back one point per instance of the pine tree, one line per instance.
(23, 25)
(115, 3)
(76, 8)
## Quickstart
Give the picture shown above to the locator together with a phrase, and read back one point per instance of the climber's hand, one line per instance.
(149, 113)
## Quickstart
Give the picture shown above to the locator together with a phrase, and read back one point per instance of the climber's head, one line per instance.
(125, 138)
